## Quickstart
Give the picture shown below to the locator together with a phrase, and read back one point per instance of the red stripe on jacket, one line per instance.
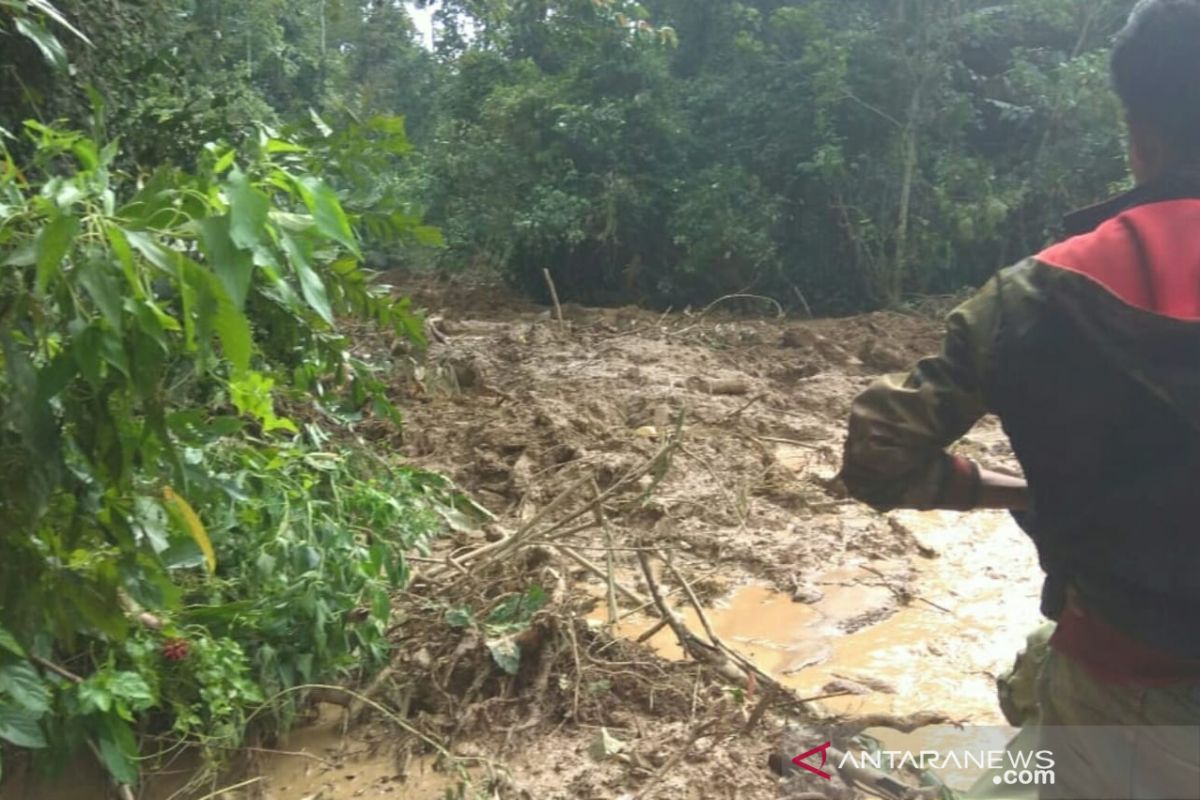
(1148, 256)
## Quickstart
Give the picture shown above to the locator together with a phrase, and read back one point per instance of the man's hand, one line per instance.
(1002, 491)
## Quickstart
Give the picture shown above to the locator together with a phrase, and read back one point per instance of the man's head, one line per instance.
(1156, 72)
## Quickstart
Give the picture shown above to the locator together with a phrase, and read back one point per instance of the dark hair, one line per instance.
(1156, 70)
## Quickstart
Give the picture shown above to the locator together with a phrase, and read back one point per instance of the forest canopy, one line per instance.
(854, 152)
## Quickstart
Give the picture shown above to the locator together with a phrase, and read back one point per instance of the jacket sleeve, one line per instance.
(895, 453)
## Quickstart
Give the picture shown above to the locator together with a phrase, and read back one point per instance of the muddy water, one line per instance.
(966, 614)
(320, 761)
(317, 761)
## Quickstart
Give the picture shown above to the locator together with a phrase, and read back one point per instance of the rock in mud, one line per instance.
(806, 593)
(604, 745)
(871, 683)
(728, 386)
(800, 337)
(842, 686)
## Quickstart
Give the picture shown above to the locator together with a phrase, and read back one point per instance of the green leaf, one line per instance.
(458, 618)
(155, 253)
(457, 520)
(428, 236)
(112, 349)
(251, 394)
(24, 255)
(94, 696)
(183, 554)
(88, 347)
(311, 285)
(85, 150)
(53, 244)
(132, 692)
(47, 8)
(233, 266)
(506, 654)
(230, 324)
(21, 682)
(233, 329)
(248, 209)
(118, 750)
(10, 643)
(104, 289)
(225, 161)
(281, 146)
(47, 42)
(320, 124)
(151, 522)
(20, 727)
(120, 248)
(326, 209)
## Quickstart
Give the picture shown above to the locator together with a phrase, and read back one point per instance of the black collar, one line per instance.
(1178, 186)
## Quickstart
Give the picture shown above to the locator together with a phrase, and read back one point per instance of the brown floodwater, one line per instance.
(317, 761)
(968, 613)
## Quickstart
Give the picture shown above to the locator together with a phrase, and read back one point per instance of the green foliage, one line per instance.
(149, 331)
(854, 150)
(175, 74)
(500, 627)
(666, 151)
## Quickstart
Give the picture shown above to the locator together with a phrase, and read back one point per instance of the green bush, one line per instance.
(174, 550)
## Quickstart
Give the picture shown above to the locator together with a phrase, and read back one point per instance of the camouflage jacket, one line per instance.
(1089, 353)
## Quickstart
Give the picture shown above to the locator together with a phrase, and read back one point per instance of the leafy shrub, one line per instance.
(174, 550)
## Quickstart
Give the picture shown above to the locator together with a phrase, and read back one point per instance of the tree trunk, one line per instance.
(894, 282)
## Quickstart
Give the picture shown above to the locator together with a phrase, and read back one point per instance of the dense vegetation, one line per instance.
(854, 151)
(189, 192)
(190, 527)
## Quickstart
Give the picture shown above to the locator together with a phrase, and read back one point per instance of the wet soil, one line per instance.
(867, 613)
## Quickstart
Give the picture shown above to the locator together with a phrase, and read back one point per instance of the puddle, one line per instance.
(971, 608)
(314, 762)
(323, 763)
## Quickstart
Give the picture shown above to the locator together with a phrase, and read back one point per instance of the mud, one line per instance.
(863, 612)
(895, 636)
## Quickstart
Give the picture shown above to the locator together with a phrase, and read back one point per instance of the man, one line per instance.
(1089, 353)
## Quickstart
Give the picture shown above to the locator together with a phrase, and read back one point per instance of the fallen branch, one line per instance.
(650, 632)
(710, 655)
(596, 570)
(719, 300)
(793, 442)
(853, 726)
(529, 533)
(55, 668)
(695, 601)
(734, 414)
(610, 561)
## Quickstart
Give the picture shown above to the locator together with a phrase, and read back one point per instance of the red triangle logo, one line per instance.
(799, 760)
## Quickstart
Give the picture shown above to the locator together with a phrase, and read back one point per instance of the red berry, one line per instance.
(176, 650)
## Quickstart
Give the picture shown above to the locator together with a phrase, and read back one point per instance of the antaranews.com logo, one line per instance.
(1010, 767)
(1116, 762)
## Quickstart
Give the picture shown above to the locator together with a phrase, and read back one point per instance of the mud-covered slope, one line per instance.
(714, 442)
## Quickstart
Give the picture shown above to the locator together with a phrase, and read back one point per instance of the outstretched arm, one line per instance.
(900, 427)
